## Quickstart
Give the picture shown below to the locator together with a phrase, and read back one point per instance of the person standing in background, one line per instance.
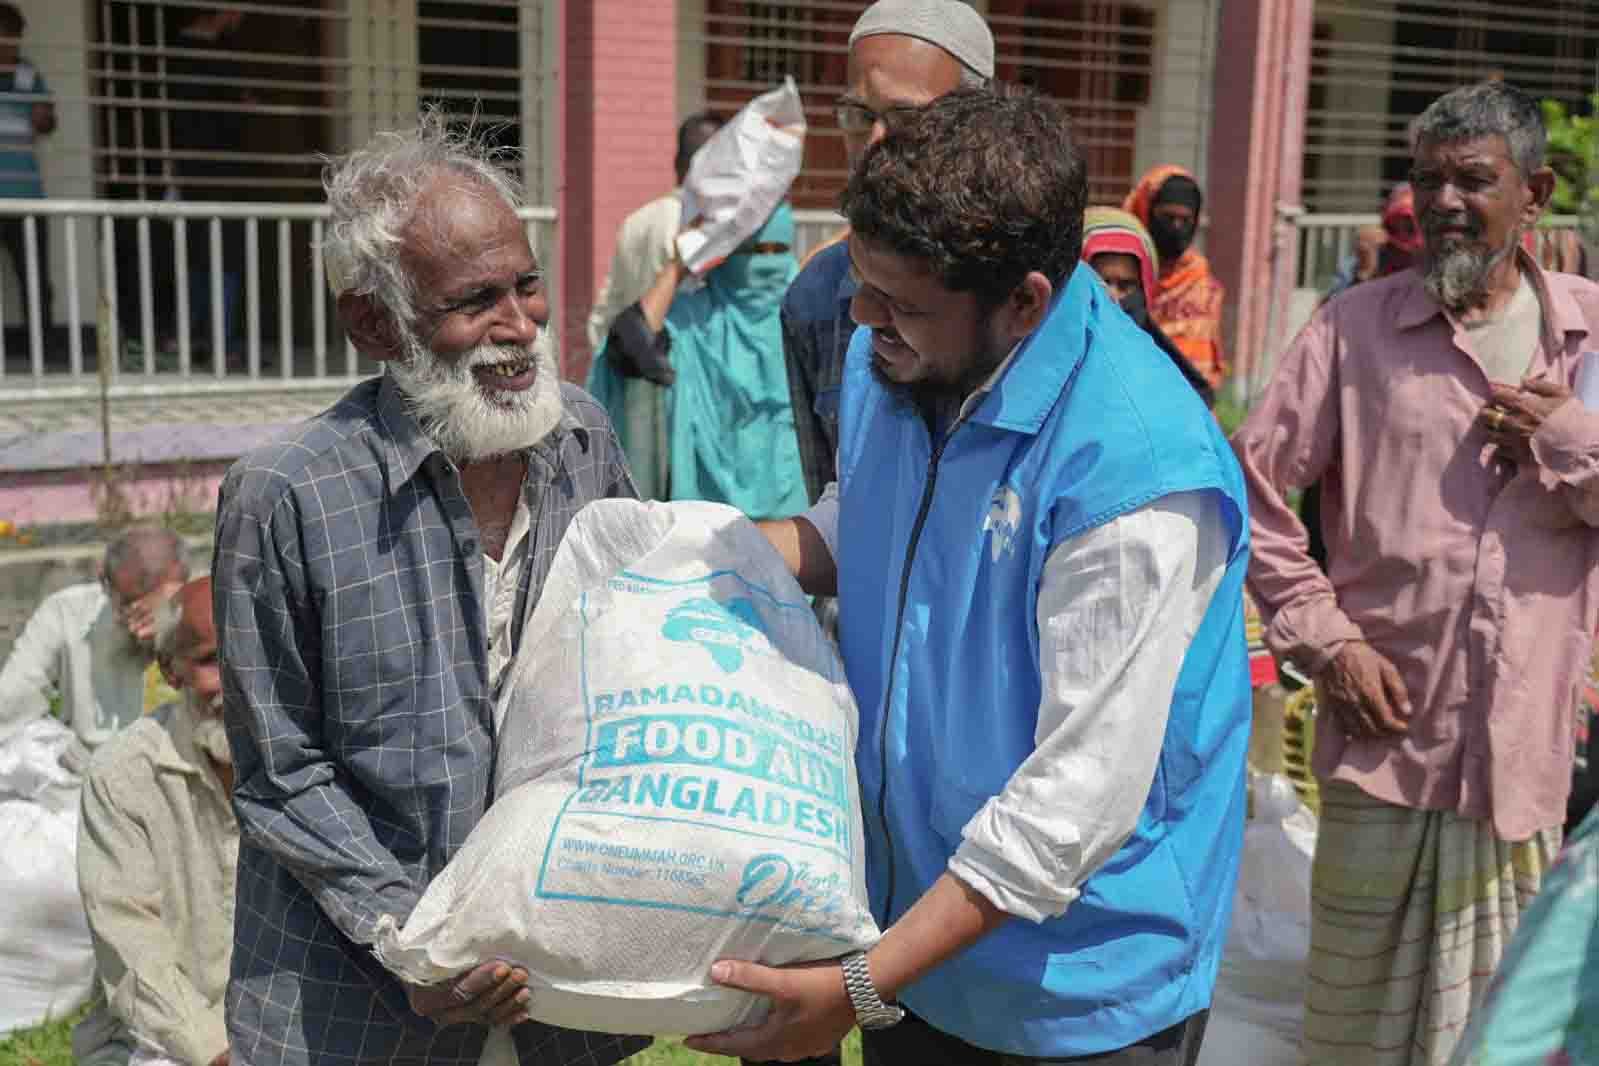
(1452, 627)
(644, 242)
(1188, 298)
(1119, 249)
(903, 54)
(26, 114)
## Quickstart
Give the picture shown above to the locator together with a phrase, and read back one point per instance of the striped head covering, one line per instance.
(1110, 229)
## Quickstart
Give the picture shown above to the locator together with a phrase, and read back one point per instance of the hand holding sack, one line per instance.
(675, 784)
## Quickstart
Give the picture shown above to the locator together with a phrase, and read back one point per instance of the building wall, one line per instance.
(617, 139)
(690, 57)
(1345, 155)
(613, 78)
(1255, 162)
(1175, 126)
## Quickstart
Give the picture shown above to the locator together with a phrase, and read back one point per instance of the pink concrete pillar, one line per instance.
(1261, 86)
(618, 88)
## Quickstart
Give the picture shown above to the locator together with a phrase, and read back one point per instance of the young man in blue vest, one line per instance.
(1038, 537)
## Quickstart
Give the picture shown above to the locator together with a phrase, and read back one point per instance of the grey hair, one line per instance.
(1487, 109)
(375, 191)
(970, 79)
(153, 549)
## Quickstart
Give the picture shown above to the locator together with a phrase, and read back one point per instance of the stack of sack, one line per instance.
(46, 955)
(1258, 1008)
(674, 784)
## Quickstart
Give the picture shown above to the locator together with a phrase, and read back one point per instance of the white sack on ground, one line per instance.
(739, 176)
(675, 783)
(1258, 1008)
(46, 955)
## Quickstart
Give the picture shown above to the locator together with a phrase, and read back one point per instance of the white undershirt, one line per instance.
(1505, 343)
(501, 581)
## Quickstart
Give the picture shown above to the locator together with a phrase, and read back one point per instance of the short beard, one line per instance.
(461, 418)
(944, 398)
(210, 735)
(1457, 277)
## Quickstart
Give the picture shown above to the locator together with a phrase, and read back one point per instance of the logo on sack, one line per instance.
(774, 885)
(724, 630)
(1004, 521)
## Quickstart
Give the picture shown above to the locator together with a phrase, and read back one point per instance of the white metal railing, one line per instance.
(1327, 240)
(91, 236)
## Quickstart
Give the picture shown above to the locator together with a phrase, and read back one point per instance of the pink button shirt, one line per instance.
(1475, 578)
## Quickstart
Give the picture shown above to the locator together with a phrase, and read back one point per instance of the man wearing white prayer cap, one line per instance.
(902, 54)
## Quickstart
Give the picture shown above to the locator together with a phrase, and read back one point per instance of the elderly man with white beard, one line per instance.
(156, 847)
(372, 574)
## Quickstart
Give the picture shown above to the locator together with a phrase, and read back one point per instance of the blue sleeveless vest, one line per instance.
(941, 548)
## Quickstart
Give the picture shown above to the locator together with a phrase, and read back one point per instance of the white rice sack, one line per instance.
(675, 784)
(46, 954)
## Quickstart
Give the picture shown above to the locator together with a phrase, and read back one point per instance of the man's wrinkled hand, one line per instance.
(495, 993)
(1516, 413)
(1364, 693)
(140, 618)
(221, 1058)
(811, 1012)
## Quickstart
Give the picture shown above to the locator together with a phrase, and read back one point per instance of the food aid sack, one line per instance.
(46, 955)
(739, 176)
(674, 784)
(1257, 1011)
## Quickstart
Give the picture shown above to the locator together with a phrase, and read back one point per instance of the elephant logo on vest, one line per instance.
(1004, 521)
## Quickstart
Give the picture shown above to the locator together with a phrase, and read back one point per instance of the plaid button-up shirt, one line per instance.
(349, 602)
(816, 334)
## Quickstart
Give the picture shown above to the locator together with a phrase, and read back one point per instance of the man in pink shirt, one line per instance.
(1460, 496)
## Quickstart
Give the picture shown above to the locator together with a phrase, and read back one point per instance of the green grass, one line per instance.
(51, 1045)
(671, 1053)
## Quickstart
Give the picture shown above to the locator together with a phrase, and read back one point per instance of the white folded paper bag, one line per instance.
(739, 176)
(675, 784)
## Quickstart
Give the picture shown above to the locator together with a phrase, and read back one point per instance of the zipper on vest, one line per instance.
(893, 657)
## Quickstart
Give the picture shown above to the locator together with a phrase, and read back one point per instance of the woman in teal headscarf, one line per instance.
(696, 385)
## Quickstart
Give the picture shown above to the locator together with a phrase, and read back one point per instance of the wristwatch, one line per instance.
(870, 1010)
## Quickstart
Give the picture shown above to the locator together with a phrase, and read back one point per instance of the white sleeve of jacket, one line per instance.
(1118, 607)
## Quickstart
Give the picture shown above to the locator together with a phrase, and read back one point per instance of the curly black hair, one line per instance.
(985, 185)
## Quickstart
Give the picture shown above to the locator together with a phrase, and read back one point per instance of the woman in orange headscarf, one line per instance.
(1187, 300)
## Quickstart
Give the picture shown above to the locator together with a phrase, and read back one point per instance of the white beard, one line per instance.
(210, 735)
(466, 421)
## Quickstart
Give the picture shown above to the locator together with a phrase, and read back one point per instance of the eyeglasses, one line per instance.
(858, 118)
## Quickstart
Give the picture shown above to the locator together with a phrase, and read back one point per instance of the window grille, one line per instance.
(1377, 64)
(1097, 56)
